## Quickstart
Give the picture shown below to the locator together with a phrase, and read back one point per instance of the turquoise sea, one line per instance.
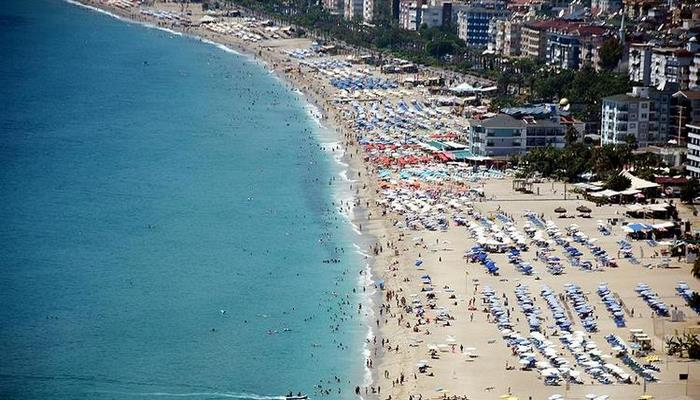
(166, 219)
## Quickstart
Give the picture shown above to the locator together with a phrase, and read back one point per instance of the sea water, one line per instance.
(169, 221)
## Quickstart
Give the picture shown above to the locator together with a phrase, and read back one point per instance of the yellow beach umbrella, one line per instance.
(646, 397)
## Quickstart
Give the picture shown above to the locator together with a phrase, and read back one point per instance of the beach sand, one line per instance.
(394, 254)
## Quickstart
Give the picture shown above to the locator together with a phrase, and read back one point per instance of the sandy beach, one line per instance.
(436, 337)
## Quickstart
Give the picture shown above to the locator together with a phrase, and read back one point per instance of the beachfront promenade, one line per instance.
(486, 292)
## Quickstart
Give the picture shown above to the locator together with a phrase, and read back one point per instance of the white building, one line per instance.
(640, 63)
(694, 73)
(670, 66)
(368, 11)
(474, 22)
(642, 114)
(354, 9)
(599, 7)
(410, 14)
(693, 162)
(503, 135)
(432, 13)
(334, 6)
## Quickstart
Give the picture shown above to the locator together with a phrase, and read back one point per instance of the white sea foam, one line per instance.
(221, 46)
(344, 174)
(359, 251)
(119, 17)
(99, 10)
(356, 228)
(315, 113)
(161, 28)
(367, 282)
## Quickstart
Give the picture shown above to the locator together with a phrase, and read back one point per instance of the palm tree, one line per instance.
(676, 345)
(696, 268)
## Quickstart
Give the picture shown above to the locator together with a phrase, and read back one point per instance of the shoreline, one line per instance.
(393, 250)
(358, 172)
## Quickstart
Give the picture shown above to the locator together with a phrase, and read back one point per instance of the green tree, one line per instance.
(631, 141)
(575, 160)
(609, 158)
(690, 190)
(610, 53)
(571, 135)
(684, 344)
(694, 301)
(544, 160)
(617, 182)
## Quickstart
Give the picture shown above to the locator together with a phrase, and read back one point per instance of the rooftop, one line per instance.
(620, 97)
(499, 121)
(688, 94)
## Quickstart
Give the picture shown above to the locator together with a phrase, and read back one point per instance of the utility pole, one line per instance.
(680, 122)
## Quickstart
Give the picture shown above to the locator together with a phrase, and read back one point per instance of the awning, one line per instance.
(630, 192)
(605, 193)
(638, 227)
(638, 183)
(664, 225)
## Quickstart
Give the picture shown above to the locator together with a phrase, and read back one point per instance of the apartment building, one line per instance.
(564, 43)
(368, 11)
(354, 9)
(694, 73)
(589, 51)
(432, 13)
(692, 165)
(670, 66)
(506, 37)
(600, 7)
(685, 109)
(533, 38)
(504, 135)
(334, 6)
(639, 64)
(643, 114)
(474, 21)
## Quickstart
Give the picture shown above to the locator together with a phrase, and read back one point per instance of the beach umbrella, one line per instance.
(583, 209)
(560, 210)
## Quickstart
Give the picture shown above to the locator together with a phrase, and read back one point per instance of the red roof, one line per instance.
(589, 30)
